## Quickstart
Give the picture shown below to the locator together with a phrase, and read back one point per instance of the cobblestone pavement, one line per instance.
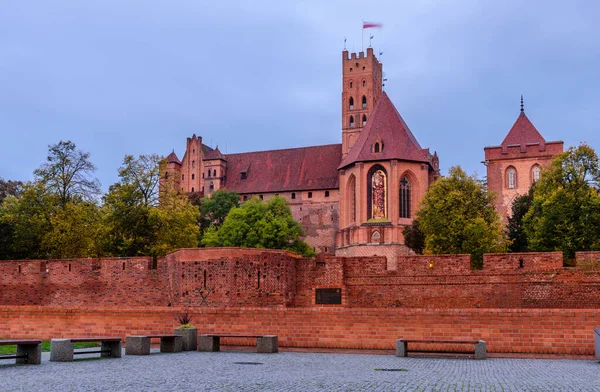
(292, 371)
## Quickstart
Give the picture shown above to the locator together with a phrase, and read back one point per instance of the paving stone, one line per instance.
(293, 371)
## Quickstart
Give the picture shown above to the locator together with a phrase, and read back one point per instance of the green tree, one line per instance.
(10, 188)
(127, 225)
(414, 237)
(457, 216)
(214, 209)
(25, 222)
(175, 224)
(565, 211)
(516, 233)
(68, 173)
(258, 224)
(143, 174)
(75, 231)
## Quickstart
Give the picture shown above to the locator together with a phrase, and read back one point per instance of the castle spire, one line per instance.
(522, 105)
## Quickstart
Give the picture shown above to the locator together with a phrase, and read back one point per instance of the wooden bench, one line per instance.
(29, 351)
(264, 343)
(63, 350)
(480, 351)
(140, 345)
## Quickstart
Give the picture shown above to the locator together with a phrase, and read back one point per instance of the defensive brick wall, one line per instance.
(227, 277)
(556, 331)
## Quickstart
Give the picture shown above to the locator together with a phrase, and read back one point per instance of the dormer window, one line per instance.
(351, 121)
(351, 103)
(377, 146)
(244, 175)
(364, 102)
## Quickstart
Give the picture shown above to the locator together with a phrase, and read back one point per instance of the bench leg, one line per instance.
(114, 347)
(61, 350)
(33, 352)
(267, 344)
(209, 343)
(171, 344)
(401, 348)
(137, 345)
(480, 350)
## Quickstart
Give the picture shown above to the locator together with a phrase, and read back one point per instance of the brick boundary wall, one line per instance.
(536, 331)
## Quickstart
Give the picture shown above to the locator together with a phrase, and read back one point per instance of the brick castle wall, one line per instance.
(554, 331)
(225, 277)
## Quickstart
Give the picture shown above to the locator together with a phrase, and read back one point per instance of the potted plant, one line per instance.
(188, 333)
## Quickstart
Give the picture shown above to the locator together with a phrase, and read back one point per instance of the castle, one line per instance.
(364, 191)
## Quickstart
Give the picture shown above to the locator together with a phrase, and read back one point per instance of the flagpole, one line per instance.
(362, 49)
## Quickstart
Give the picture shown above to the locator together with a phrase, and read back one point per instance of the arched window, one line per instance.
(351, 103)
(404, 198)
(511, 178)
(214, 173)
(376, 147)
(350, 84)
(377, 194)
(364, 119)
(351, 121)
(182, 176)
(212, 186)
(364, 83)
(192, 189)
(193, 164)
(364, 102)
(536, 173)
(351, 189)
(209, 173)
(193, 176)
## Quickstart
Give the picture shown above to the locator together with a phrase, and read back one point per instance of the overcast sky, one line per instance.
(137, 77)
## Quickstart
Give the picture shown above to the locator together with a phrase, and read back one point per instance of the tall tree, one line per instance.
(214, 209)
(68, 173)
(457, 216)
(414, 237)
(143, 174)
(515, 230)
(565, 211)
(258, 224)
(10, 188)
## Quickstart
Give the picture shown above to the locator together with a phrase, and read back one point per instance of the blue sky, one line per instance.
(136, 77)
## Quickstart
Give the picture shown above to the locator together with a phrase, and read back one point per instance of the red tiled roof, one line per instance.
(304, 168)
(214, 154)
(172, 158)
(387, 125)
(523, 132)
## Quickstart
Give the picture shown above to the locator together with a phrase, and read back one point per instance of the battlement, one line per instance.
(530, 150)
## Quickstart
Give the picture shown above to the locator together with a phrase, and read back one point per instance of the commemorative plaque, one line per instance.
(328, 296)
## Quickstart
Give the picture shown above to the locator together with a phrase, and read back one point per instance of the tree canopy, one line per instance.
(68, 173)
(259, 224)
(457, 216)
(515, 231)
(565, 210)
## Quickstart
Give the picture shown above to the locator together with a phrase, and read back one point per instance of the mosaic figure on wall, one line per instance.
(378, 207)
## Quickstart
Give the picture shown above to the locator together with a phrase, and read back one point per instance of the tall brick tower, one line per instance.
(361, 87)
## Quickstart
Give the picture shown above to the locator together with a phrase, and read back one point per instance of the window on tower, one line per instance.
(364, 83)
(364, 119)
(351, 121)
(214, 173)
(350, 84)
(351, 103)
(364, 102)
(193, 176)
(511, 179)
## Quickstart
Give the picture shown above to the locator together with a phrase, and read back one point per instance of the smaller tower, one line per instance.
(514, 165)
(361, 87)
(215, 169)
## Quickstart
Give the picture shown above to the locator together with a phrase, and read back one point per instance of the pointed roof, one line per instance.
(214, 154)
(523, 132)
(385, 125)
(172, 158)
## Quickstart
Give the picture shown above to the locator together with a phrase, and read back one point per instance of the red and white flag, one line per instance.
(369, 25)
